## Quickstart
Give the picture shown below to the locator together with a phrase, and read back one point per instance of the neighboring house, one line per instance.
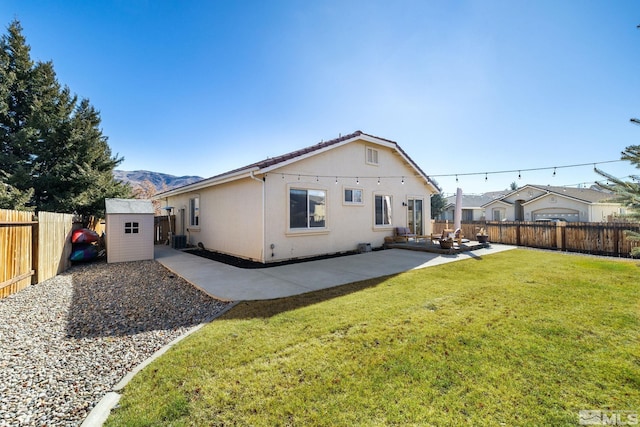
(322, 199)
(472, 206)
(537, 202)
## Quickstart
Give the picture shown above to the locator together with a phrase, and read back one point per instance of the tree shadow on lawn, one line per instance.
(268, 308)
(133, 297)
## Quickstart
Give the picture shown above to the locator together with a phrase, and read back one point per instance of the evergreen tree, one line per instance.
(627, 192)
(12, 198)
(437, 205)
(53, 155)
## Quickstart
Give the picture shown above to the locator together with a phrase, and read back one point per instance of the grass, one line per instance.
(517, 338)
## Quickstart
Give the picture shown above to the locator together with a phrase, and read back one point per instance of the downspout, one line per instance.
(264, 217)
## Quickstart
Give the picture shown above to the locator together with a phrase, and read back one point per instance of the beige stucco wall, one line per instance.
(478, 214)
(230, 218)
(231, 214)
(508, 210)
(600, 212)
(347, 225)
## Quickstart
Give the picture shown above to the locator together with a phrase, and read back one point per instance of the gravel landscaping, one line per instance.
(65, 342)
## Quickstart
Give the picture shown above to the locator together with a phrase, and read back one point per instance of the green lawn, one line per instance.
(516, 338)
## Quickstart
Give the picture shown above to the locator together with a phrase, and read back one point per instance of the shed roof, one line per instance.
(128, 206)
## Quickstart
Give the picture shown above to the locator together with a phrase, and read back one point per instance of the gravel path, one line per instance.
(65, 342)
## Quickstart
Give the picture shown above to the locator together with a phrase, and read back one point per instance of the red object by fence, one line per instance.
(84, 235)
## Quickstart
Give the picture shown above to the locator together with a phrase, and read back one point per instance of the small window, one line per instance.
(353, 196)
(372, 156)
(194, 211)
(383, 210)
(131, 228)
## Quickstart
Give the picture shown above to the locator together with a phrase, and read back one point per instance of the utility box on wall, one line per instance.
(129, 230)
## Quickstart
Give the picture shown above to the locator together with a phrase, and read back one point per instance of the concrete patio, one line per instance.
(230, 283)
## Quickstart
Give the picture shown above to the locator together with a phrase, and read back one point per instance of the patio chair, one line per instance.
(403, 234)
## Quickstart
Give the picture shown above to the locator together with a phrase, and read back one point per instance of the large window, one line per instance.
(194, 211)
(383, 210)
(353, 196)
(307, 208)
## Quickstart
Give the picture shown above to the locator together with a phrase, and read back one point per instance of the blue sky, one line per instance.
(202, 87)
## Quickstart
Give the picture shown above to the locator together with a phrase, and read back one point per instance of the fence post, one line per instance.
(35, 232)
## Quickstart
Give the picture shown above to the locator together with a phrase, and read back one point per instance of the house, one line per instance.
(129, 229)
(472, 206)
(537, 202)
(323, 199)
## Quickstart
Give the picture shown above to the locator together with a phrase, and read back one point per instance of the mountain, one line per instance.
(161, 181)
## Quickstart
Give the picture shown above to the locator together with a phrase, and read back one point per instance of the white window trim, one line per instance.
(383, 226)
(308, 230)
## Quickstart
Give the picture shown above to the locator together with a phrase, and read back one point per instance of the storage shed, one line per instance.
(129, 230)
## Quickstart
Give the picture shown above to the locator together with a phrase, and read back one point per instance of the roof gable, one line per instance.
(273, 163)
(584, 195)
(475, 201)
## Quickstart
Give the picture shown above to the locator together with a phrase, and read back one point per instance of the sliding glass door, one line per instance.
(414, 216)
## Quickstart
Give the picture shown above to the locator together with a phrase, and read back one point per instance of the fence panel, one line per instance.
(537, 235)
(606, 238)
(600, 238)
(625, 245)
(16, 236)
(54, 244)
(502, 232)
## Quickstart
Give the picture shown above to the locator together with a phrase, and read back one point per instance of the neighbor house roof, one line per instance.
(586, 195)
(272, 163)
(475, 201)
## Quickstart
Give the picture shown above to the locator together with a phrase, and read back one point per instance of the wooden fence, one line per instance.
(32, 249)
(162, 229)
(601, 238)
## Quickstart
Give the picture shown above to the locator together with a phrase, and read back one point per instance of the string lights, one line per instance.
(379, 179)
(524, 170)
